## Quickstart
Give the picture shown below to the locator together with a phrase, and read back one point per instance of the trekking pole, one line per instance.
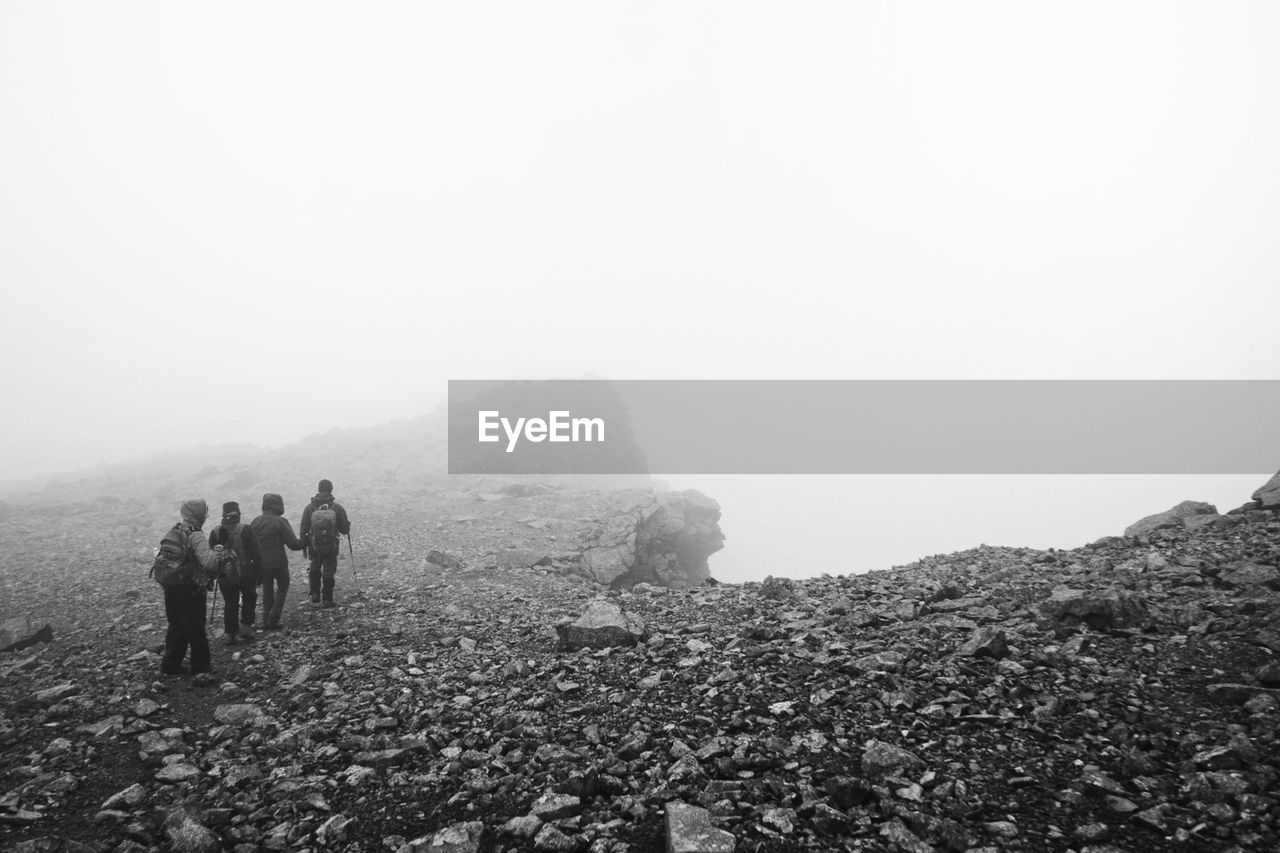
(213, 612)
(352, 552)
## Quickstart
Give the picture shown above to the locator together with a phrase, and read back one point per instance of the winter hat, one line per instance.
(230, 508)
(326, 486)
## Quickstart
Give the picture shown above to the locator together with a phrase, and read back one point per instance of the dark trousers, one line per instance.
(242, 601)
(323, 569)
(275, 586)
(184, 607)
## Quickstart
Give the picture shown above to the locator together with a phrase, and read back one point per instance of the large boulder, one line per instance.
(1268, 496)
(1099, 609)
(601, 625)
(1170, 517)
(1243, 574)
(690, 830)
(663, 539)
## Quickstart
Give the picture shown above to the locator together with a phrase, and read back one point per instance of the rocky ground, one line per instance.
(1120, 696)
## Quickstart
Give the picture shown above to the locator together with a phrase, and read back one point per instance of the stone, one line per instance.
(129, 798)
(1100, 609)
(50, 844)
(689, 830)
(237, 715)
(176, 773)
(16, 635)
(56, 694)
(553, 840)
(1268, 674)
(778, 589)
(444, 560)
(552, 806)
(188, 835)
(881, 759)
(985, 642)
(901, 839)
(525, 826)
(334, 829)
(603, 624)
(455, 838)
(1169, 518)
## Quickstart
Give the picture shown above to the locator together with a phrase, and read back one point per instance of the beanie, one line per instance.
(326, 486)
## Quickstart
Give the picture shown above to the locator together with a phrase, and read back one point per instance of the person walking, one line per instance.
(323, 521)
(241, 593)
(275, 534)
(186, 603)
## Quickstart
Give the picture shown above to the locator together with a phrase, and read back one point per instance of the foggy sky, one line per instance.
(250, 222)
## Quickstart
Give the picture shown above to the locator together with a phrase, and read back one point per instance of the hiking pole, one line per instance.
(352, 552)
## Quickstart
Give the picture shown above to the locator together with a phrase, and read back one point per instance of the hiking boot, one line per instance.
(328, 602)
(315, 599)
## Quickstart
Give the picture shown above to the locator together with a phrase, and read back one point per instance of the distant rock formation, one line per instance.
(663, 539)
(1170, 518)
(1268, 496)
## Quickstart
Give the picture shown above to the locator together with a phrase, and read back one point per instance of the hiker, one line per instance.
(320, 536)
(240, 593)
(186, 602)
(274, 533)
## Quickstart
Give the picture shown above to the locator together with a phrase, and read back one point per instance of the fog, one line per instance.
(250, 222)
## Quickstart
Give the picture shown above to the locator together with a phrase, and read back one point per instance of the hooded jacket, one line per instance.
(319, 500)
(204, 562)
(274, 533)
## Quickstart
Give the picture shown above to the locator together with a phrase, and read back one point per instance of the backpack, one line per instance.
(324, 530)
(171, 567)
(231, 570)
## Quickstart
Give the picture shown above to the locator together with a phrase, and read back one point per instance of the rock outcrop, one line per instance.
(1268, 495)
(663, 539)
(1170, 518)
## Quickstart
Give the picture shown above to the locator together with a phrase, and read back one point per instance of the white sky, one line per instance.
(253, 221)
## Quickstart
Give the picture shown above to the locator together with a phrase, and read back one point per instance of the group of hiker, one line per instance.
(238, 558)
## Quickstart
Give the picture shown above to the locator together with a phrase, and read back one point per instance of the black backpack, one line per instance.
(324, 531)
(171, 567)
(231, 570)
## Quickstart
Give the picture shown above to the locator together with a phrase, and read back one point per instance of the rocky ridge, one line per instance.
(1124, 695)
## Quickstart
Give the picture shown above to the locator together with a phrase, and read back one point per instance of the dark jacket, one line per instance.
(274, 533)
(320, 499)
(252, 564)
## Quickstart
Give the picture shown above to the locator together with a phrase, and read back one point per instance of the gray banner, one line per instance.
(864, 427)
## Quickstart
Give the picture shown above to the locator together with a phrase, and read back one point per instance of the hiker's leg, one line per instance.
(175, 638)
(314, 577)
(230, 613)
(277, 609)
(249, 602)
(330, 571)
(200, 658)
(268, 597)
